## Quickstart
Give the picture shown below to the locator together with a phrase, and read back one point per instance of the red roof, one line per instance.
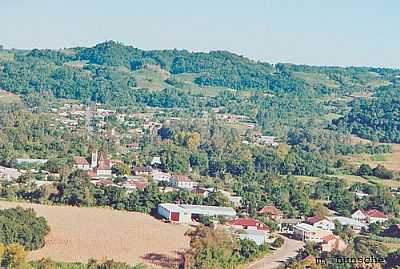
(139, 185)
(105, 182)
(181, 178)
(271, 210)
(330, 237)
(80, 160)
(314, 219)
(247, 222)
(309, 258)
(104, 165)
(142, 169)
(199, 191)
(376, 214)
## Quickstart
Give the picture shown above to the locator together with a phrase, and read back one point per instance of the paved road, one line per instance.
(289, 249)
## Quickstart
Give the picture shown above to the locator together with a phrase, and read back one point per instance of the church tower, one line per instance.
(94, 160)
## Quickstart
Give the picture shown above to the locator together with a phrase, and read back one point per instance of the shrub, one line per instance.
(22, 226)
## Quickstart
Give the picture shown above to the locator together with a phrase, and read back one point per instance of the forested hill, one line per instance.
(375, 118)
(113, 70)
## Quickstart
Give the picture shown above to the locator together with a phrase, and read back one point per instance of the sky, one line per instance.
(316, 32)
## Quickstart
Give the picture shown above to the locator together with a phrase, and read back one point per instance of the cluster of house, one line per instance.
(248, 228)
(12, 174)
(319, 229)
(100, 170)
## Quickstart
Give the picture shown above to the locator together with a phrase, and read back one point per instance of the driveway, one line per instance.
(278, 257)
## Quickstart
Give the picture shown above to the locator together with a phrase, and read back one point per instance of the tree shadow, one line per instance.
(164, 260)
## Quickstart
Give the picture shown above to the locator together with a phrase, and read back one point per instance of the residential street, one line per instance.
(289, 249)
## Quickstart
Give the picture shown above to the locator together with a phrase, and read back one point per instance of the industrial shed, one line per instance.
(185, 213)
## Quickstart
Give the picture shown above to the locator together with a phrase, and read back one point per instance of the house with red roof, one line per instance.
(201, 192)
(104, 168)
(321, 222)
(369, 216)
(182, 182)
(375, 215)
(249, 223)
(142, 170)
(135, 184)
(271, 211)
(332, 243)
(99, 166)
(81, 163)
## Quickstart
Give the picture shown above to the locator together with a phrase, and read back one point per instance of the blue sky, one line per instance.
(336, 32)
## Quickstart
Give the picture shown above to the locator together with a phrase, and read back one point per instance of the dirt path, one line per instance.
(288, 250)
(78, 234)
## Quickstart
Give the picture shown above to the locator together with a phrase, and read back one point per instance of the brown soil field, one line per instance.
(78, 234)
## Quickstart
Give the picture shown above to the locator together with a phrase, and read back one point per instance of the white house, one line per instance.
(322, 223)
(333, 243)
(104, 168)
(352, 223)
(360, 216)
(81, 163)
(370, 216)
(307, 232)
(375, 215)
(160, 176)
(9, 173)
(182, 182)
(250, 224)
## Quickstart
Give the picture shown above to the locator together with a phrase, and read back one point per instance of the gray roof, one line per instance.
(307, 227)
(201, 209)
(348, 221)
(211, 210)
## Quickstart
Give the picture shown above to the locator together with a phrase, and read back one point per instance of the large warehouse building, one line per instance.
(185, 213)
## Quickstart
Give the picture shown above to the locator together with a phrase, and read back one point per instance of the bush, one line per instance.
(364, 170)
(278, 242)
(22, 226)
(382, 172)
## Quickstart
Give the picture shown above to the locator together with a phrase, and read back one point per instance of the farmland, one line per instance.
(78, 234)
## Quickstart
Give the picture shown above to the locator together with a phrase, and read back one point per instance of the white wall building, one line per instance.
(182, 182)
(307, 232)
(185, 213)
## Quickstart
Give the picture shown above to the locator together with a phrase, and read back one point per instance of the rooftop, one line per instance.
(307, 227)
(80, 160)
(270, 209)
(314, 219)
(181, 178)
(348, 221)
(201, 209)
(376, 214)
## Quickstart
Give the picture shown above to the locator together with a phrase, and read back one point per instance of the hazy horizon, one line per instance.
(340, 33)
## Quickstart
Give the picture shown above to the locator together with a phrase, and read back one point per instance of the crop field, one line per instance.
(389, 160)
(78, 234)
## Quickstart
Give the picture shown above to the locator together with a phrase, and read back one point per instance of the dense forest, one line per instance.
(376, 119)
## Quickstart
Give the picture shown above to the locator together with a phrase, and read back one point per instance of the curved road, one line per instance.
(275, 259)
